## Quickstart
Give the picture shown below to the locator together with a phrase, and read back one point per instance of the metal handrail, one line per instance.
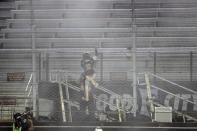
(174, 95)
(99, 87)
(27, 87)
(78, 89)
(182, 87)
(29, 82)
(61, 77)
(173, 83)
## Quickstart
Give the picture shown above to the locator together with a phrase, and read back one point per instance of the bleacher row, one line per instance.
(159, 23)
(102, 23)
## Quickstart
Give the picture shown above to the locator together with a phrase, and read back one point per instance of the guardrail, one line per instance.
(151, 101)
(61, 77)
(28, 89)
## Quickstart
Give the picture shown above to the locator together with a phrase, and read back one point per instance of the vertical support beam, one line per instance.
(101, 59)
(134, 59)
(40, 66)
(154, 35)
(69, 102)
(47, 66)
(155, 62)
(155, 65)
(62, 102)
(118, 107)
(134, 74)
(34, 79)
(191, 66)
(35, 85)
(149, 96)
(101, 67)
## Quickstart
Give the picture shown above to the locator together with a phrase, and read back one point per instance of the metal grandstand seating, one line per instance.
(104, 24)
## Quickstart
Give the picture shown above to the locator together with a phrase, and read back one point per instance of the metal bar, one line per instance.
(73, 87)
(73, 103)
(107, 91)
(149, 96)
(174, 95)
(70, 10)
(115, 106)
(101, 67)
(174, 83)
(78, 90)
(134, 58)
(68, 99)
(104, 50)
(138, 10)
(167, 50)
(115, 127)
(101, 30)
(78, 20)
(34, 74)
(62, 102)
(29, 82)
(110, 40)
(140, 21)
(139, 29)
(47, 1)
(68, 30)
(155, 63)
(28, 95)
(30, 91)
(35, 104)
(118, 107)
(99, 88)
(47, 66)
(191, 66)
(122, 1)
(40, 67)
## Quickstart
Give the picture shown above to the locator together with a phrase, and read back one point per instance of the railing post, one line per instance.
(28, 90)
(68, 99)
(62, 99)
(118, 107)
(149, 96)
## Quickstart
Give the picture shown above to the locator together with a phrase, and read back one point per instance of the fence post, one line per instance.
(118, 107)
(61, 99)
(149, 96)
(68, 99)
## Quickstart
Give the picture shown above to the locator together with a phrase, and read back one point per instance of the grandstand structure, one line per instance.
(41, 38)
